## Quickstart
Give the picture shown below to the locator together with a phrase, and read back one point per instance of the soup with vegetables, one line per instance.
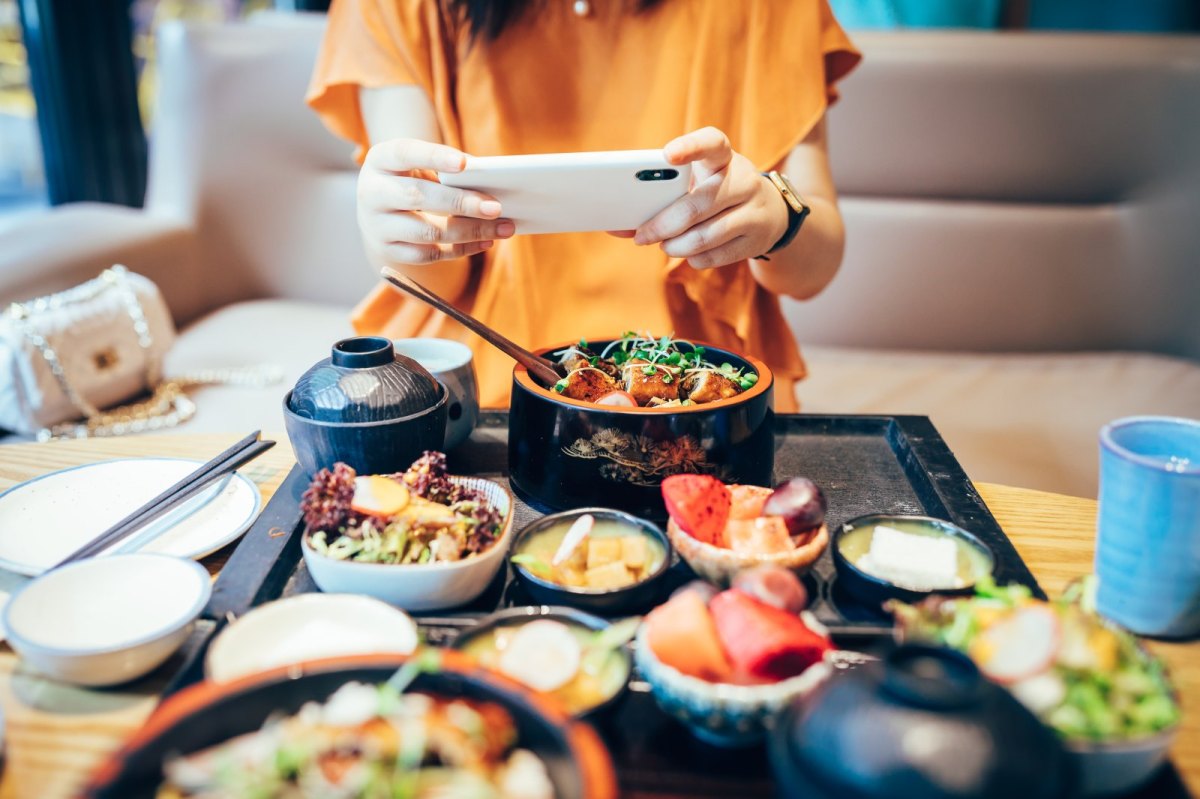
(613, 554)
(580, 667)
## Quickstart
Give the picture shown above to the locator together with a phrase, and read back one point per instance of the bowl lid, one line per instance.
(364, 380)
(923, 722)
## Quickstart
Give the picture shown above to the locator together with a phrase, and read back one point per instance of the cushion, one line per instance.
(290, 334)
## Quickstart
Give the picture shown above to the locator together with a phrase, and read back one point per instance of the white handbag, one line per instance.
(69, 355)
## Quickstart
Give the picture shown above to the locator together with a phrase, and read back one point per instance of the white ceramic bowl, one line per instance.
(107, 620)
(308, 627)
(421, 586)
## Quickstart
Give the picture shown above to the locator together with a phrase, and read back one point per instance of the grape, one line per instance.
(773, 585)
(801, 504)
(706, 590)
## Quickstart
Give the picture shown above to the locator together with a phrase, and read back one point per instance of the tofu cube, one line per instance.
(602, 551)
(611, 575)
(633, 551)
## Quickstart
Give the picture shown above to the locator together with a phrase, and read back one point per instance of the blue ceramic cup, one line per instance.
(453, 364)
(1148, 532)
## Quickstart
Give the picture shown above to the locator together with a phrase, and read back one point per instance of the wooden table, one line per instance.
(55, 735)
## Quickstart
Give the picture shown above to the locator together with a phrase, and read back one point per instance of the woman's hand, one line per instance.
(731, 212)
(410, 220)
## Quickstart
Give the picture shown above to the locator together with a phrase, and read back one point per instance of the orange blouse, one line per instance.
(763, 71)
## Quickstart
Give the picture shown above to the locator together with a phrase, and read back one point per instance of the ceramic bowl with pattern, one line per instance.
(723, 714)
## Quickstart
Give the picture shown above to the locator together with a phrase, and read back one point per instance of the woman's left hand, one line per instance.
(731, 213)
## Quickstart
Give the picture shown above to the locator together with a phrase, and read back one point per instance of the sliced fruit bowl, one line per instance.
(723, 714)
(722, 529)
(719, 565)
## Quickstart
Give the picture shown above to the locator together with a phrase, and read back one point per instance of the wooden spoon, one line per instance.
(544, 371)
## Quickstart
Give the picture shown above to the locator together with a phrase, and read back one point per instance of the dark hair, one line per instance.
(487, 19)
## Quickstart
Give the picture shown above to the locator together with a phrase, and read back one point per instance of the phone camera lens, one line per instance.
(657, 174)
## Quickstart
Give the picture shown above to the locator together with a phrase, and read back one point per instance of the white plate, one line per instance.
(45, 519)
(308, 627)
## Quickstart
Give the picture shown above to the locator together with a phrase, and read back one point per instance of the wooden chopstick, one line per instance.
(541, 369)
(239, 454)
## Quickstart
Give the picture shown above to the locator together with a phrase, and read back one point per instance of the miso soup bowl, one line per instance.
(564, 453)
(636, 598)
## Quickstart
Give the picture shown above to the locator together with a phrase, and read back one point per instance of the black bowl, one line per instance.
(367, 406)
(564, 453)
(514, 616)
(207, 714)
(636, 598)
(921, 723)
(873, 590)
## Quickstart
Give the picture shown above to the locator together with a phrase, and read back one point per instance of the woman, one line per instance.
(418, 83)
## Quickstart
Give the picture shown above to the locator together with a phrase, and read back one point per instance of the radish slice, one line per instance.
(618, 398)
(543, 654)
(376, 495)
(1020, 646)
(574, 537)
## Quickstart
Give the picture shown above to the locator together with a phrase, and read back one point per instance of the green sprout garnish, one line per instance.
(649, 369)
(561, 385)
(532, 562)
(583, 343)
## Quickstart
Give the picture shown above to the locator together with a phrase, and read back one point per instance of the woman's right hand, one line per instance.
(410, 220)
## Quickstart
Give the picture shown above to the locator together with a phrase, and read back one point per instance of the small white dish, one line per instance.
(308, 627)
(45, 519)
(105, 621)
(417, 587)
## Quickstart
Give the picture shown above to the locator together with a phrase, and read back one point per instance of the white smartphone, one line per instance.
(573, 192)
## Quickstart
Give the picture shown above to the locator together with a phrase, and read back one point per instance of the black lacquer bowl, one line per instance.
(921, 723)
(564, 453)
(208, 713)
(366, 406)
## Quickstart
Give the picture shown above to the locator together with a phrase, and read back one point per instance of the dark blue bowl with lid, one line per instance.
(366, 406)
(922, 723)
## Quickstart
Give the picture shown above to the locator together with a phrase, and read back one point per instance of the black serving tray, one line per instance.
(865, 464)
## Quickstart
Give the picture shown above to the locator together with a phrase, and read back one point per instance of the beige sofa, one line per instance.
(1023, 259)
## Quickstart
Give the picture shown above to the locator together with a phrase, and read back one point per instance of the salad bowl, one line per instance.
(418, 587)
(1108, 697)
(566, 453)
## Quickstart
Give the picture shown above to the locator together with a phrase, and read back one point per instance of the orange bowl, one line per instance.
(207, 714)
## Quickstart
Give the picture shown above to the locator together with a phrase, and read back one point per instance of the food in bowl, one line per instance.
(586, 552)
(566, 453)
(370, 740)
(640, 370)
(721, 529)
(735, 636)
(578, 659)
(1089, 680)
(914, 554)
(884, 556)
(418, 516)
(725, 662)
